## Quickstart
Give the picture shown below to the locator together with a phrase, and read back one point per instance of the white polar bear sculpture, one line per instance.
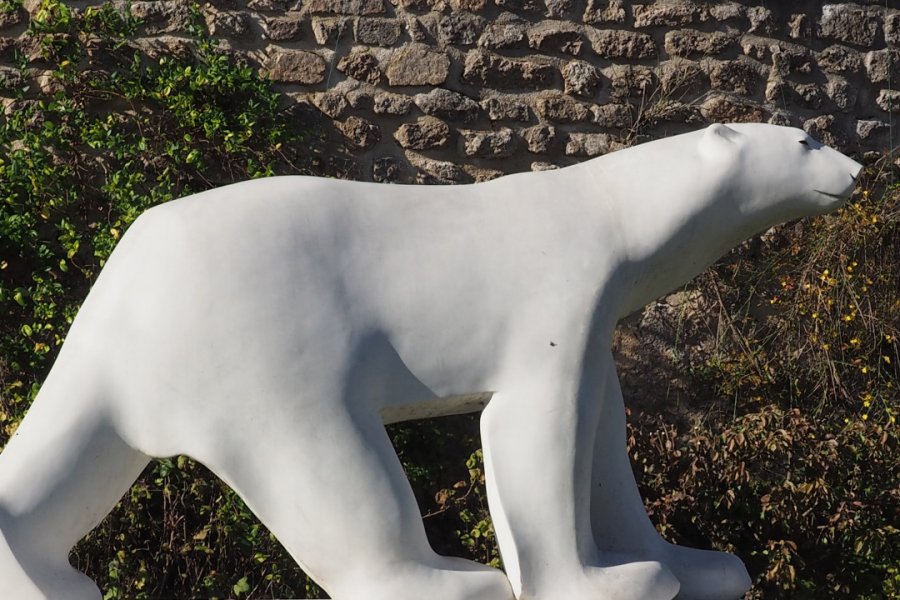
(269, 329)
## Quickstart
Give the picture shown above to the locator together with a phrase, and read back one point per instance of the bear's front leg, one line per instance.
(621, 524)
(538, 436)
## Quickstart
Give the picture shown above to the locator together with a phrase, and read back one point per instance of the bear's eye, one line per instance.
(805, 143)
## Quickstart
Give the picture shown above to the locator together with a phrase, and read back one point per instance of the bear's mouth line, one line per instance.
(835, 196)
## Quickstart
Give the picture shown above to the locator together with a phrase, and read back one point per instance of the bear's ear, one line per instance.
(719, 139)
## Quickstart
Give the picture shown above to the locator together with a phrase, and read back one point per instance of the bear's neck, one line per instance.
(675, 220)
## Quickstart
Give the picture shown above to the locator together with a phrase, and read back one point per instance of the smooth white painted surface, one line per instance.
(268, 328)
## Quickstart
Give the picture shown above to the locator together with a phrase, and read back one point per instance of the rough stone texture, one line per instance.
(436, 171)
(295, 66)
(505, 70)
(417, 64)
(561, 109)
(386, 103)
(581, 78)
(741, 76)
(12, 18)
(883, 65)
(426, 133)
(461, 28)
(488, 144)
(540, 138)
(505, 109)
(603, 12)
(555, 36)
(889, 100)
(284, 29)
(385, 170)
(163, 16)
(849, 23)
(361, 65)
(729, 109)
(629, 80)
(328, 30)
(378, 32)
(507, 32)
(892, 29)
(332, 104)
(233, 25)
(487, 69)
(448, 105)
(688, 42)
(840, 60)
(669, 14)
(800, 26)
(842, 93)
(612, 116)
(360, 133)
(345, 7)
(613, 44)
(590, 144)
(522, 6)
(557, 9)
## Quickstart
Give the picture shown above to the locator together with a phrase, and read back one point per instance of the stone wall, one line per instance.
(466, 90)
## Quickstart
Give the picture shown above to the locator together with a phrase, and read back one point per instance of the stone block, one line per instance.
(869, 129)
(590, 144)
(468, 5)
(230, 25)
(460, 28)
(360, 64)
(555, 36)
(888, 101)
(521, 6)
(883, 66)
(799, 26)
(670, 14)
(850, 23)
(332, 104)
(284, 28)
(162, 16)
(842, 93)
(741, 76)
(729, 109)
(559, 9)
(344, 7)
(426, 133)
(840, 60)
(505, 109)
(629, 80)
(558, 108)
(377, 31)
(417, 64)
(295, 66)
(540, 138)
(360, 133)
(328, 30)
(509, 33)
(613, 44)
(603, 12)
(448, 105)
(501, 143)
(612, 116)
(436, 171)
(892, 29)
(386, 103)
(581, 79)
(491, 70)
(689, 42)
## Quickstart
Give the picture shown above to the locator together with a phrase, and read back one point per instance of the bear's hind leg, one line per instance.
(61, 473)
(330, 487)
(621, 525)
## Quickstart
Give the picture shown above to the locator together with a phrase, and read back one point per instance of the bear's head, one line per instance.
(780, 173)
